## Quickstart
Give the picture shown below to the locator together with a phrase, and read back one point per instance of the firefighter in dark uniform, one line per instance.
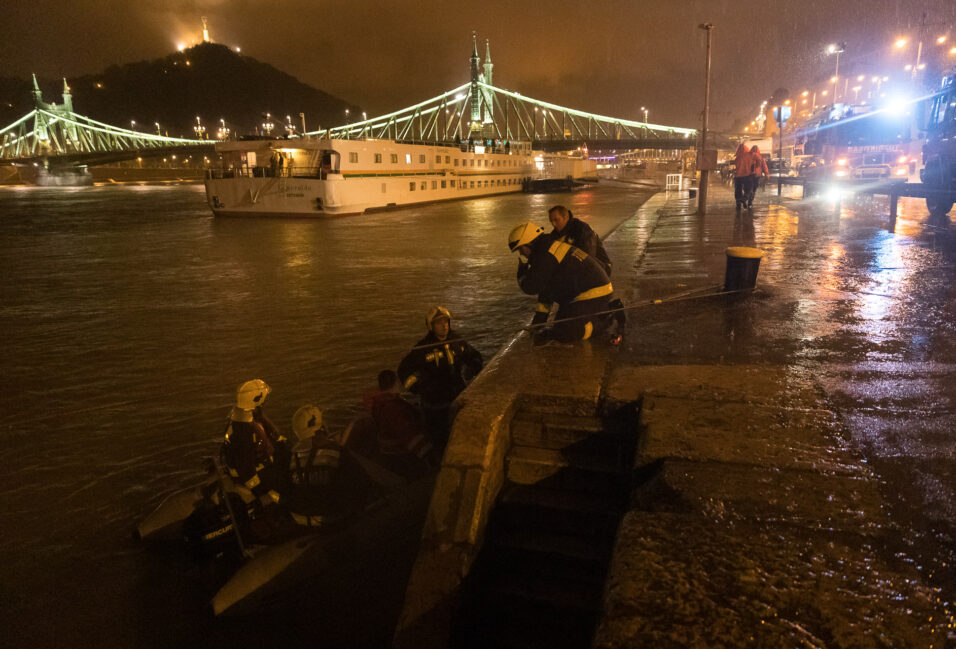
(253, 450)
(437, 369)
(326, 485)
(579, 234)
(560, 273)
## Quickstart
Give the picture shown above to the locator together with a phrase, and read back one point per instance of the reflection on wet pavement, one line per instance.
(864, 306)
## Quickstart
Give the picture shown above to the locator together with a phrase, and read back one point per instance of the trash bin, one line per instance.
(692, 193)
(742, 266)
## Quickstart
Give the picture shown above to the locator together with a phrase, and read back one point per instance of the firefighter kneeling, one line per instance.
(557, 272)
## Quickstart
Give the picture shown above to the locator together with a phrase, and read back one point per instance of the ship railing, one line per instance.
(319, 173)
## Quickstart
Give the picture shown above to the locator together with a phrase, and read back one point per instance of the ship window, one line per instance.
(444, 184)
(353, 157)
(424, 185)
(394, 157)
(421, 158)
(378, 158)
(408, 158)
(456, 162)
(447, 159)
(411, 187)
(472, 162)
(383, 188)
(434, 184)
(438, 159)
(472, 184)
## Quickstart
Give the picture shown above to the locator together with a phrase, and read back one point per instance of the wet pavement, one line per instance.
(797, 464)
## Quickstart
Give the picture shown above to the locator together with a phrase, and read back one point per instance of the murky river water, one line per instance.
(128, 317)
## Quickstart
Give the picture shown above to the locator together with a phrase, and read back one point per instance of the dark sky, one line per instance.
(604, 56)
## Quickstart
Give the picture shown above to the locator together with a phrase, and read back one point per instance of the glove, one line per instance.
(522, 258)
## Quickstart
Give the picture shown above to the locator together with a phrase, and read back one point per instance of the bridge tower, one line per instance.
(475, 90)
(489, 66)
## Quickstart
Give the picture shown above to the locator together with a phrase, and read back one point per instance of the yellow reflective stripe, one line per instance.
(541, 307)
(449, 355)
(233, 473)
(410, 381)
(253, 482)
(597, 291)
(274, 495)
(260, 467)
(588, 330)
(559, 249)
(308, 521)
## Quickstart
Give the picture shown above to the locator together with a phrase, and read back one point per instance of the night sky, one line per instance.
(605, 56)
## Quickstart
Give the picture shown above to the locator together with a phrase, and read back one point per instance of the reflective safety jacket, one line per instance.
(580, 235)
(437, 370)
(559, 272)
(758, 166)
(250, 454)
(743, 162)
(325, 485)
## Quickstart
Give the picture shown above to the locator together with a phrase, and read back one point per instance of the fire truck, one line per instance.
(939, 148)
(861, 143)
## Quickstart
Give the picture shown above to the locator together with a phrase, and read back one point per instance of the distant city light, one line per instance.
(900, 42)
(941, 39)
(181, 46)
(238, 49)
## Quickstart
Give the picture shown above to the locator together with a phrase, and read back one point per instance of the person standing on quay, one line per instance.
(744, 164)
(758, 168)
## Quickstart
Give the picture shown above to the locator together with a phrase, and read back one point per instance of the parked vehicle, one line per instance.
(939, 148)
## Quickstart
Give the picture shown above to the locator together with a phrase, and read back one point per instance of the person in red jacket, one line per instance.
(758, 169)
(742, 171)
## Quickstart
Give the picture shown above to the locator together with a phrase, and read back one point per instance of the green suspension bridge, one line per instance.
(55, 137)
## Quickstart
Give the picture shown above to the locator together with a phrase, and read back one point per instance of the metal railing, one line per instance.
(319, 173)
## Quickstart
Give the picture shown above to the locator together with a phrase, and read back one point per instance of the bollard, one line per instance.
(742, 266)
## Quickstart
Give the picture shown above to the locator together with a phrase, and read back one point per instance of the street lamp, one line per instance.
(199, 129)
(157, 128)
(132, 125)
(838, 49)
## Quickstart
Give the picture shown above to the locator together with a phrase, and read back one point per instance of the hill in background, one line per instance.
(208, 80)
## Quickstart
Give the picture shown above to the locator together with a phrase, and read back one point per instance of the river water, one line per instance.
(128, 317)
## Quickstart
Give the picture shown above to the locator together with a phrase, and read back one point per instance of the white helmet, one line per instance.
(435, 313)
(306, 421)
(523, 235)
(251, 394)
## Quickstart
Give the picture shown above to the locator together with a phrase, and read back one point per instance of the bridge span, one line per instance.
(58, 140)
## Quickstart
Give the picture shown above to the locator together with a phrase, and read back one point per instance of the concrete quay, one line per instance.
(790, 461)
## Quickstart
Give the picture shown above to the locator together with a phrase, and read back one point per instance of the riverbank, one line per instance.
(760, 509)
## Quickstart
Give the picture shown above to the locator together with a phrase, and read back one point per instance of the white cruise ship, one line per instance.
(322, 177)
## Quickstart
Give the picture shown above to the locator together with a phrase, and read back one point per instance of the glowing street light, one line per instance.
(838, 49)
(900, 43)
(199, 129)
(132, 125)
(157, 128)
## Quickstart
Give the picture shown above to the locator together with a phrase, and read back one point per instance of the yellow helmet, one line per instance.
(306, 421)
(251, 394)
(435, 313)
(523, 235)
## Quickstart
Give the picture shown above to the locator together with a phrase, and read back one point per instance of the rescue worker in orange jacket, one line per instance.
(758, 169)
(743, 168)
(557, 272)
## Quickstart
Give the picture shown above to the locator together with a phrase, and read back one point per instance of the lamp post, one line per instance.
(702, 200)
(132, 125)
(157, 128)
(838, 49)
